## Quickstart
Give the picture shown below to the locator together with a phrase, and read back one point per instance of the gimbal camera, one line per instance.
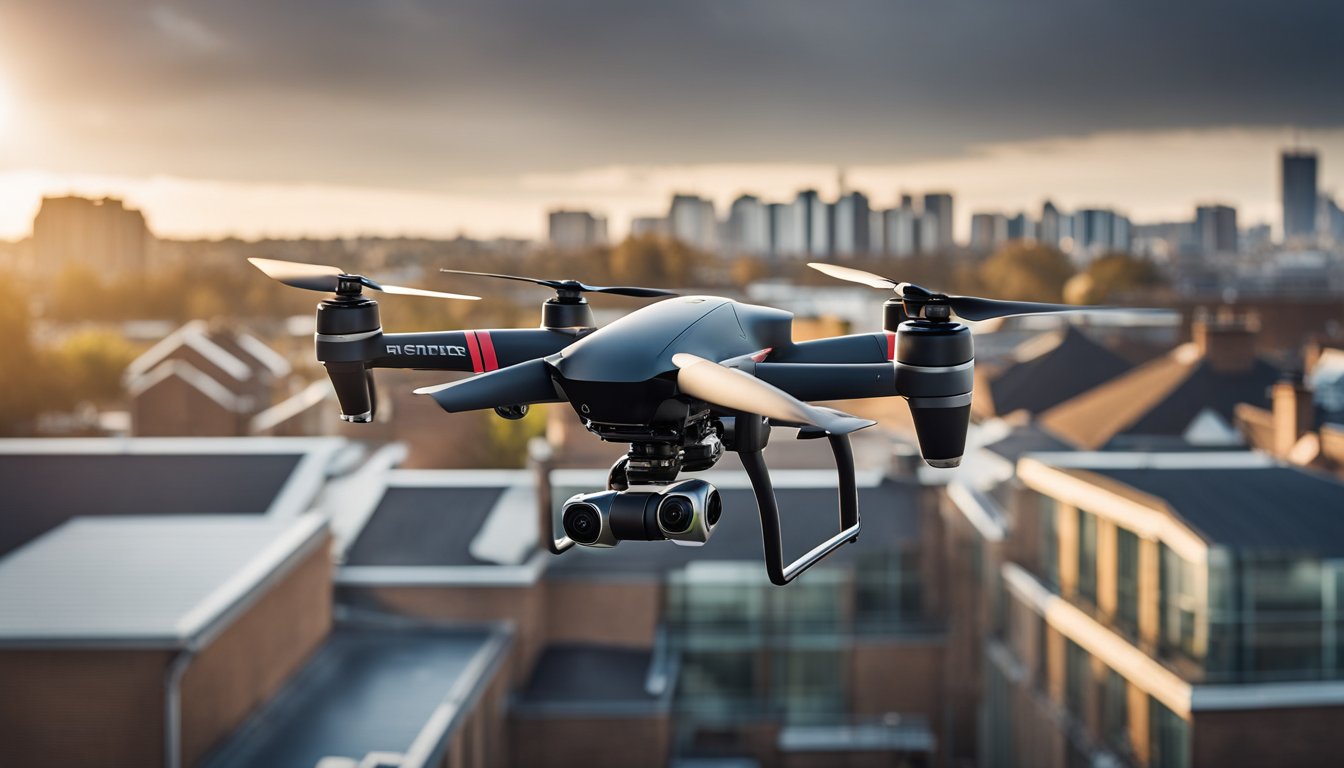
(679, 381)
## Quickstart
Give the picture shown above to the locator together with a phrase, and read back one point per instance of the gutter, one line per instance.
(172, 708)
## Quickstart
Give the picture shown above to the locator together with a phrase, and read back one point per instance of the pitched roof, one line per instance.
(48, 481)
(195, 335)
(1160, 398)
(193, 376)
(370, 688)
(143, 582)
(1050, 369)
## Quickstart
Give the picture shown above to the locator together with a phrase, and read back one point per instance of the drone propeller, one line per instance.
(573, 288)
(968, 307)
(740, 391)
(318, 277)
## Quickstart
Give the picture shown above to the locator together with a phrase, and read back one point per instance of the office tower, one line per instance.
(1049, 232)
(936, 232)
(850, 229)
(1298, 185)
(103, 235)
(648, 225)
(572, 230)
(877, 233)
(748, 226)
(773, 212)
(1216, 228)
(988, 231)
(822, 234)
(1093, 233)
(902, 230)
(1331, 222)
(691, 220)
(1021, 228)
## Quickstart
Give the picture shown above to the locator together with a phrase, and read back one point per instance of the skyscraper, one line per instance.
(748, 226)
(850, 232)
(691, 220)
(936, 234)
(1298, 184)
(902, 225)
(1216, 228)
(821, 233)
(570, 230)
(1049, 233)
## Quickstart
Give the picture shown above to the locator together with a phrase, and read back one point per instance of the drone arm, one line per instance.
(475, 351)
(855, 348)
(522, 384)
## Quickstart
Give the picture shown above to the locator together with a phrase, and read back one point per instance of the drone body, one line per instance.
(680, 381)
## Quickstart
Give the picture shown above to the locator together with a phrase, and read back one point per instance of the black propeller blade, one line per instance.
(573, 286)
(318, 277)
(967, 307)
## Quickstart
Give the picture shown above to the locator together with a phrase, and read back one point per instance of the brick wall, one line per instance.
(602, 611)
(590, 742)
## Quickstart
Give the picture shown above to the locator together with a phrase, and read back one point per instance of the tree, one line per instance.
(1026, 272)
(1111, 276)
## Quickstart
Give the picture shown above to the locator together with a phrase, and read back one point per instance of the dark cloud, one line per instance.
(409, 93)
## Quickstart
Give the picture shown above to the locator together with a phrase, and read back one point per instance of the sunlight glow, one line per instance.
(6, 106)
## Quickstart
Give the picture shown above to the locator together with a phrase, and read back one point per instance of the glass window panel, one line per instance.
(1049, 541)
(1127, 581)
(1168, 736)
(1087, 555)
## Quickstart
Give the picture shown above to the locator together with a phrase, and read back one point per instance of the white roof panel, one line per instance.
(143, 581)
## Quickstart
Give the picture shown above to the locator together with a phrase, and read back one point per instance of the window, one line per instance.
(1127, 581)
(1076, 679)
(1115, 712)
(1049, 541)
(1182, 607)
(1168, 737)
(1087, 556)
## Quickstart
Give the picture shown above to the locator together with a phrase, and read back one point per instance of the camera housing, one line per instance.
(685, 513)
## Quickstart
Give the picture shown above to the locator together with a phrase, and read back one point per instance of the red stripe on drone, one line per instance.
(475, 352)
(487, 350)
(891, 345)
(759, 357)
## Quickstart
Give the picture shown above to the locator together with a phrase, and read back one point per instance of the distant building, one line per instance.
(1021, 228)
(877, 232)
(1049, 231)
(936, 230)
(1331, 222)
(648, 225)
(102, 235)
(1097, 231)
(574, 230)
(691, 220)
(988, 231)
(1298, 184)
(747, 230)
(902, 229)
(821, 235)
(851, 225)
(1216, 228)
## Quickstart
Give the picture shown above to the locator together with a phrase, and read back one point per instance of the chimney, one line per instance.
(1226, 341)
(1294, 413)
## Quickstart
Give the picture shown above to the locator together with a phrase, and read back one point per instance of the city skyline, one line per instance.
(400, 118)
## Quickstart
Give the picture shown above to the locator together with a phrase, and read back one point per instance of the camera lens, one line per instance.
(714, 508)
(675, 513)
(582, 523)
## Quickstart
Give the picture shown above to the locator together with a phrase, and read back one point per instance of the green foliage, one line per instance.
(1112, 276)
(29, 382)
(1025, 271)
(507, 439)
(91, 364)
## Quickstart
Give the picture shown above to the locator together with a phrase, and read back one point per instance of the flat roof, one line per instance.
(48, 481)
(144, 582)
(424, 526)
(889, 512)
(567, 677)
(394, 688)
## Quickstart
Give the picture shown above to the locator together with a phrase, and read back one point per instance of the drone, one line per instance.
(681, 381)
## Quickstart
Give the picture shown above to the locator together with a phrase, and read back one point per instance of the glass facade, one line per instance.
(1168, 737)
(1087, 556)
(1127, 582)
(1049, 543)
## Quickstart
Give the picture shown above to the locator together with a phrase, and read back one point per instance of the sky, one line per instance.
(335, 117)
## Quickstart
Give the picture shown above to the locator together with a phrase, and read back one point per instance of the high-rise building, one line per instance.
(1216, 228)
(936, 232)
(850, 227)
(1331, 221)
(988, 231)
(573, 230)
(748, 227)
(1097, 231)
(1021, 228)
(902, 225)
(822, 234)
(691, 220)
(1298, 185)
(877, 232)
(1049, 231)
(648, 225)
(103, 235)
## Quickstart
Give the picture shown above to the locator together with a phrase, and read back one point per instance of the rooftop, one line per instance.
(1050, 369)
(567, 676)
(48, 481)
(394, 689)
(1241, 501)
(1179, 395)
(96, 582)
